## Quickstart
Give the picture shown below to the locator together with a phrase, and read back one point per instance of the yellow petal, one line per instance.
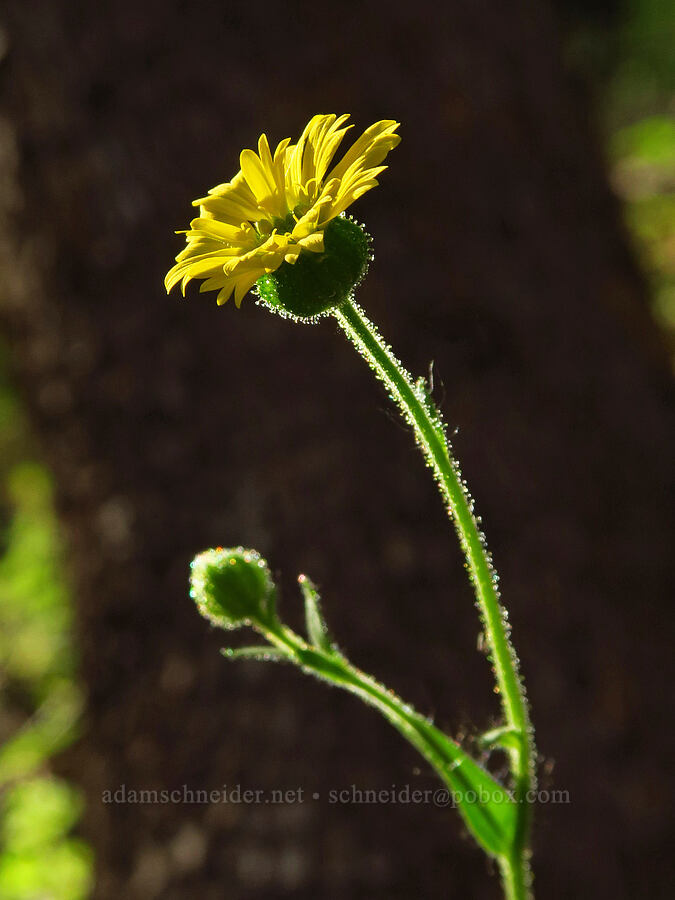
(244, 285)
(213, 284)
(226, 292)
(257, 177)
(300, 165)
(372, 147)
(231, 210)
(223, 231)
(309, 222)
(328, 144)
(200, 268)
(313, 242)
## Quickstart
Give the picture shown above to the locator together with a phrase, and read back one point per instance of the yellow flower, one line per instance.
(277, 206)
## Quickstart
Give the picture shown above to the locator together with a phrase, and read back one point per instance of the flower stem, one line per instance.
(419, 411)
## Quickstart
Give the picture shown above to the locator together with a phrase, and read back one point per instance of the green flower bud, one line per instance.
(232, 587)
(319, 282)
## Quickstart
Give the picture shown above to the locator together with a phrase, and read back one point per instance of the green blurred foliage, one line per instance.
(629, 62)
(650, 142)
(40, 701)
(38, 859)
(642, 78)
(643, 156)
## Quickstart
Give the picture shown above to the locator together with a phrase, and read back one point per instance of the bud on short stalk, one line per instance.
(233, 587)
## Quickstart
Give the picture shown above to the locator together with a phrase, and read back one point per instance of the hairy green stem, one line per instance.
(516, 879)
(419, 411)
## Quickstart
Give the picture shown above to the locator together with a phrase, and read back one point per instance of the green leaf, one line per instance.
(507, 737)
(488, 810)
(317, 630)
(264, 653)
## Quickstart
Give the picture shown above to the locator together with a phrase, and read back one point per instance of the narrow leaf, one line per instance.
(264, 653)
(507, 737)
(317, 630)
(487, 808)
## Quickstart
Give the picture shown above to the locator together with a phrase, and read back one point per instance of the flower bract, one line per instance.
(277, 207)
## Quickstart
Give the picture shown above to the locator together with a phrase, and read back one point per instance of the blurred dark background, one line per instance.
(503, 255)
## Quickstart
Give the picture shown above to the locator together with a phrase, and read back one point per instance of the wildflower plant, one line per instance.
(280, 228)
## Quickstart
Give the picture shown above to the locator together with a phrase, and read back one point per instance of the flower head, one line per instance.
(277, 207)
